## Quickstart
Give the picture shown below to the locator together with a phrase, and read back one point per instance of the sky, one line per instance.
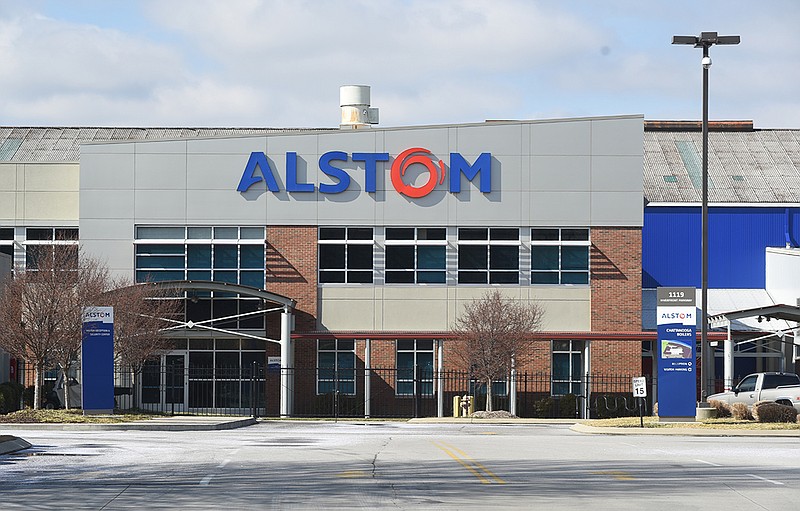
(251, 63)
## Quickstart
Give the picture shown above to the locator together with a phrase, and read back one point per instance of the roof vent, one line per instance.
(356, 113)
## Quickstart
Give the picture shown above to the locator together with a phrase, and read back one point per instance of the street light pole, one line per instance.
(705, 41)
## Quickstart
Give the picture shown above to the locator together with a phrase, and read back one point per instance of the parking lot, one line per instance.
(323, 465)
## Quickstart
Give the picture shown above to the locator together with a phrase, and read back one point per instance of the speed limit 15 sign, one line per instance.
(640, 387)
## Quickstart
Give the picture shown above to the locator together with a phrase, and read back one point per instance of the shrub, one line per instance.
(10, 393)
(739, 411)
(723, 409)
(754, 409)
(774, 412)
(543, 407)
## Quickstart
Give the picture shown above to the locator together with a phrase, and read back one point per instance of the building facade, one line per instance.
(333, 252)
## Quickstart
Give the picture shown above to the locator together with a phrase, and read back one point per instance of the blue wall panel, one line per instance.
(737, 239)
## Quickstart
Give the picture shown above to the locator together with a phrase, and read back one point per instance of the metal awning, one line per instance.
(768, 313)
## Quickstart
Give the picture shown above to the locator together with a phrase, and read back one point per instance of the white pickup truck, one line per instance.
(782, 388)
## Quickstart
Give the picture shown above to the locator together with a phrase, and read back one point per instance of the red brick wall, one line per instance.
(292, 270)
(616, 280)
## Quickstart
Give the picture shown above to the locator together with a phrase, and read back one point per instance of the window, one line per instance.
(414, 367)
(567, 367)
(7, 241)
(60, 243)
(772, 381)
(416, 255)
(488, 255)
(336, 363)
(560, 256)
(234, 255)
(748, 384)
(345, 255)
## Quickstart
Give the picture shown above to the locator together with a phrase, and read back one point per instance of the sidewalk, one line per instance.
(165, 423)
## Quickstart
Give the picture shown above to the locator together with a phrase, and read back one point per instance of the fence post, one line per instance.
(416, 391)
(254, 390)
(512, 405)
(439, 378)
(587, 390)
(171, 389)
(367, 387)
(336, 394)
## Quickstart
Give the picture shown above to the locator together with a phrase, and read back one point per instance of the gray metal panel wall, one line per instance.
(574, 172)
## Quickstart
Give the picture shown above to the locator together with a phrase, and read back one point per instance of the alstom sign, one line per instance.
(258, 169)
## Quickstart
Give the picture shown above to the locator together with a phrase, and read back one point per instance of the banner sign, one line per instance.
(676, 317)
(97, 360)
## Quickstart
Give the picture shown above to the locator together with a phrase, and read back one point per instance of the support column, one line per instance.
(586, 409)
(287, 364)
(367, 368)
(439, 378)
(728, 361)
(787, 349)
(512, 404)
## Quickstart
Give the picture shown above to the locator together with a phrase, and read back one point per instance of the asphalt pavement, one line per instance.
(10, 443)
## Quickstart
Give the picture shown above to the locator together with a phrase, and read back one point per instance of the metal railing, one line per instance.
(254, 390)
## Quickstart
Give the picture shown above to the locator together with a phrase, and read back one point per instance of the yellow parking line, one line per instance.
(467, 462)
(616, 474)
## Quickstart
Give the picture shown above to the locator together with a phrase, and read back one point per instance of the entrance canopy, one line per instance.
(208, 285)
(768, 313)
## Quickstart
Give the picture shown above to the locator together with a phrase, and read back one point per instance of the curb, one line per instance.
(9, 444)
(471, 420)
(168, 424)
(596, 430)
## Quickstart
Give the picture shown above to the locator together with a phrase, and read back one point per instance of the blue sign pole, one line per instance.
(676, 318)
(97, 361)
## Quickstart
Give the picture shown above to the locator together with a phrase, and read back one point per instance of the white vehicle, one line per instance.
(783, 388)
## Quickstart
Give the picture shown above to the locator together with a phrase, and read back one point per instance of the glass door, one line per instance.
(175, 382)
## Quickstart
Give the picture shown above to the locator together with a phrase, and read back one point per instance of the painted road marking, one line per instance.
(708, 463)
(765, 479)
(352, 474)
(616, 474)
(206, 480)
(224, 462)
(483, 474)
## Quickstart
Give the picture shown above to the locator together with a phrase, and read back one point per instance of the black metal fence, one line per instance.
(377, 392)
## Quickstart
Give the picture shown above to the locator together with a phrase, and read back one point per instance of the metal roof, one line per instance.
(744, 166)
(62, 144)
(756, 166)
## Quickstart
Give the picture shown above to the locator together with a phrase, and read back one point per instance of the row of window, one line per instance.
(43, 242)
(233, 255)
(409, 255)
(336, 362)
(419, 255)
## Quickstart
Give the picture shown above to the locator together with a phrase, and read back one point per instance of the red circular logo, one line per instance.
(408, 158)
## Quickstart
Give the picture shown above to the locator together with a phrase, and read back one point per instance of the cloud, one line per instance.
(280, 63)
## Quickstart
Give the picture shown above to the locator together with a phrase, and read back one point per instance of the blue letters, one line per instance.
(291, 176)
(370, 167)
(459, 165)
(257, 161)
(258, 168)
(336, 173)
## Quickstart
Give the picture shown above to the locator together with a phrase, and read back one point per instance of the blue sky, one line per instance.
(280, 63)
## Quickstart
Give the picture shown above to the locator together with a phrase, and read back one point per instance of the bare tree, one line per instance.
(492, 331)
(139, 318)
(40, 308)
